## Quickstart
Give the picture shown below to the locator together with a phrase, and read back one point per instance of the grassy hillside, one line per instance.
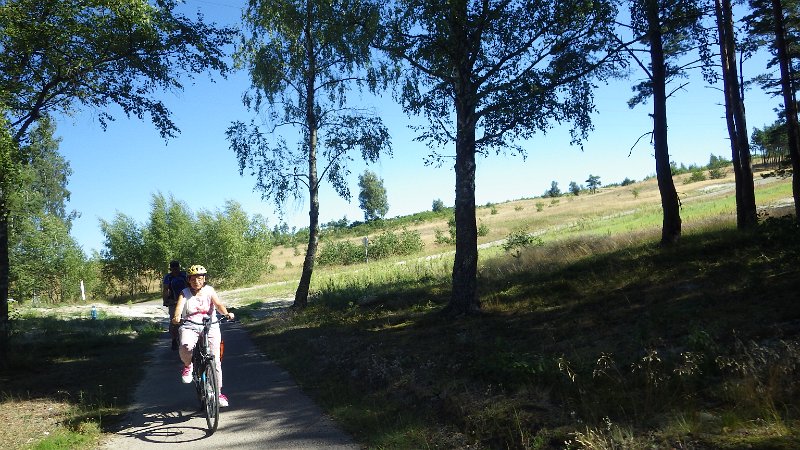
(595, 338)
(598, 338)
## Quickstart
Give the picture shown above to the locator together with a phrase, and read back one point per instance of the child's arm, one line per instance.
(176, 319)
(221, 306)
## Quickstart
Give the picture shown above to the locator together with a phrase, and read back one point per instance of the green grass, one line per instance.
(600, 339)
(85, 369)
(603, 342)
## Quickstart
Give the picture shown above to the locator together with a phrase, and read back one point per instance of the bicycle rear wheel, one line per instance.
(211, 395)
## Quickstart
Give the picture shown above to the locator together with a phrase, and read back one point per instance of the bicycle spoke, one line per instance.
(212, 395)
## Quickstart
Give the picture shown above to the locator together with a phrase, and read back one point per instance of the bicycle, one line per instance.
(204, 374)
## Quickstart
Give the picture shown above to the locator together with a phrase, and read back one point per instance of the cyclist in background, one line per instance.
(172, 285)
(195, 302)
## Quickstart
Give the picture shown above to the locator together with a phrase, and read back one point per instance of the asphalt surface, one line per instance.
(267, 409)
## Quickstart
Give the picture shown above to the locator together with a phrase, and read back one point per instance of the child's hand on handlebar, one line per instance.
(229, 316)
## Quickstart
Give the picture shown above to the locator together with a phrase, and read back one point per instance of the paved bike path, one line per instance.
(267, 409)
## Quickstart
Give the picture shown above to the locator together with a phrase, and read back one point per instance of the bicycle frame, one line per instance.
(204, 374)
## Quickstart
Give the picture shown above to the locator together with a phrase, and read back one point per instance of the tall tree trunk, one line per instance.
(301, 295)
(746, 216)
(670, 204)
(792, 127)
(464, 295)
(5, 271)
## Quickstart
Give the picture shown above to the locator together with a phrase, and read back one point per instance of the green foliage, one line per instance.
(553, 192)
(46, 263)
(717, 162)
(124, 263)
(716, 173)
(696, 176)
(281, 37)
(483, 229)
(519, 240)
(385, 245)
(340, 253)
(574, 188)
(372, 198)
(593, 183)
(772, 142)
(388, 244)
(438, 205)
(98, 54)
(234, 248)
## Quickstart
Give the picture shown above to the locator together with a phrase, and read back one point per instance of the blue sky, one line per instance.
(119, 170)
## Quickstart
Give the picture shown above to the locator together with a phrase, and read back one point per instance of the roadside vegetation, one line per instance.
(586, 342)
(592, 335)
(69, 377)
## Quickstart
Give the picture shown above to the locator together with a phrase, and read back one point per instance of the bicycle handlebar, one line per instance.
(219, 320)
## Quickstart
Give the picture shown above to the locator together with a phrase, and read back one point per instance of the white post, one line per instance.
(83, 292)
(366, 246)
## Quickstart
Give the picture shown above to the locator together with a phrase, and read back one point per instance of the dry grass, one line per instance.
(27, 421)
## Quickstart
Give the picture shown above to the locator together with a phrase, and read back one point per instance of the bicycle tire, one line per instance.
(197, 375)
(211, 395)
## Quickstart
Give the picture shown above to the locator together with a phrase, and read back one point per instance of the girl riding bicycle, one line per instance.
(194, 302)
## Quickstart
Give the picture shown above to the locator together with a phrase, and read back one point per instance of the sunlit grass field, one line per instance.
(597, 338)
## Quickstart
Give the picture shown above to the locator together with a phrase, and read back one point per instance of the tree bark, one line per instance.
(670, 204)
(303, 287)
(792, 127)
(464, 295)
(5, 271)
(746, 216)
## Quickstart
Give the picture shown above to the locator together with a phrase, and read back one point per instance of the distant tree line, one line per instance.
(234, 247)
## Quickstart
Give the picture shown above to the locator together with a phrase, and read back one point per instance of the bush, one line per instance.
(483, 229)
(340, 253)
(516, 241)
(716, 173)
(696, 176)
(384, 245)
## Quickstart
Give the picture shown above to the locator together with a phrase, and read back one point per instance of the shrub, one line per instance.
(341, 252)
(384, 245)
(483, 229)
(516, 241)
(716, 173)
(388, 244)
(441, 238)
(696, 176)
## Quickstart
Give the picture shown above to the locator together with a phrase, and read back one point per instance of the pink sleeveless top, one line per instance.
(198, 305)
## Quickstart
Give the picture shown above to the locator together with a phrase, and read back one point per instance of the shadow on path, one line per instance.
(267, 409)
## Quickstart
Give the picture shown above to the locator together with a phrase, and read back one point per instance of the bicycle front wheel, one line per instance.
(211, 392)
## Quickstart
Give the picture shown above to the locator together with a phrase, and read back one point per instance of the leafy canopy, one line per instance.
(55, 54)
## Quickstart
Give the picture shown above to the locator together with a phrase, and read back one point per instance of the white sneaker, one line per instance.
(223, 401)
(186, 374)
